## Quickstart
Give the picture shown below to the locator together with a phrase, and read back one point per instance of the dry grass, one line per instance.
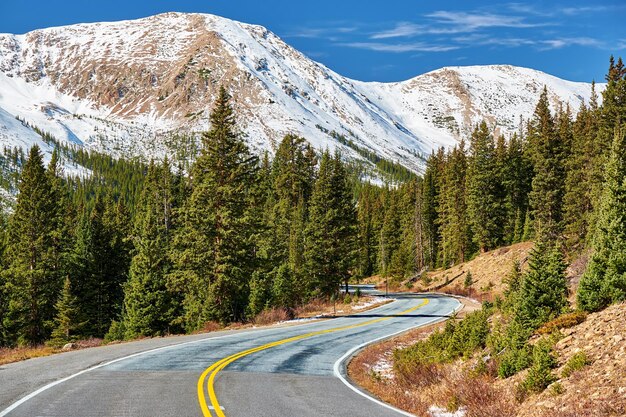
(274, 315)
(488, 272)
(564, 321)
(448, 386)
(9, 355)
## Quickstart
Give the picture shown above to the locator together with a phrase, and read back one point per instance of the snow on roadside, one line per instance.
(435, 411)
(371, 301)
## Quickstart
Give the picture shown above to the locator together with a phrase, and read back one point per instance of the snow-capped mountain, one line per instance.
(125, 87)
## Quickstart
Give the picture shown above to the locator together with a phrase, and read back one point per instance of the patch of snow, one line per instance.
(435, 411)
(370, 302)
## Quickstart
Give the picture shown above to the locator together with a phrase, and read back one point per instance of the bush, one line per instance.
(540, 373)
(509, 345)
(116, 332)
(564, 321)
(273, 315)
(455, 340)
(347, 299)
(575, 363)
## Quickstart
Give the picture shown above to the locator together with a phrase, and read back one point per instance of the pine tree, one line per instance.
(604, 280)
(148, 306)
(283, 287)
(330, 233)
(484, 191)
(517, 177)
(212, 255)
(469, 280)
(430, 197)
(292, 176)
(452, 216)
(548, 185)
(366, 234)
(580, 182)
(543, 291)
(390, 233)
(67, 320)
(31, 284)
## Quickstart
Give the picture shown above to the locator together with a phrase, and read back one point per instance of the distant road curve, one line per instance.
(291, 371)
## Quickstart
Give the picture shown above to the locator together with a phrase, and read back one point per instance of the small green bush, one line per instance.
(347, 299)
(575, 363)
(509, 345)
(557, 389)
(540, 373)
(116, 332)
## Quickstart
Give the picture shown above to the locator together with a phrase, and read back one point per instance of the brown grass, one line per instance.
(446, 385)
(564, 321)
(9, 355)
(274, 315)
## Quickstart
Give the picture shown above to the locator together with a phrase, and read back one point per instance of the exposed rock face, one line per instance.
(123, 87)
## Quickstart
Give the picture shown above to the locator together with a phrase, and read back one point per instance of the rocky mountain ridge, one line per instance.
(125, 87)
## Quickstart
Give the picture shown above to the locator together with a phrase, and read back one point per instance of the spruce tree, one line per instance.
(543, 290)
(580, 182)
(211, 253)
(548, 185)
(454, 224)
(484, 191)
(517, 177)
(148, 305)
(330, 233)
(67, 321)
(31, 282)
(604, 281)
(430, 204)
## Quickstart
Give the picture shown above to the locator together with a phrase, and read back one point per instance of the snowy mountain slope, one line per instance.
(124, 87)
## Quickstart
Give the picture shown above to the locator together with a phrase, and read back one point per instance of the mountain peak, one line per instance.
(125, 87)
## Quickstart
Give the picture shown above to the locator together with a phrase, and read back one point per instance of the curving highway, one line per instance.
(292, 371)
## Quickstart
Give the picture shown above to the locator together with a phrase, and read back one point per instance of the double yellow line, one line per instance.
(214, 369)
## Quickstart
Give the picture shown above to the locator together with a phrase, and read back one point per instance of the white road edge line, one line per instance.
(33, 394)
(340, 364)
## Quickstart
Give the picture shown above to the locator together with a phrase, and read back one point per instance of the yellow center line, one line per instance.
(214, 369)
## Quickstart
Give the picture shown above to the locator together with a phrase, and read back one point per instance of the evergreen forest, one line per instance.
(153, 248)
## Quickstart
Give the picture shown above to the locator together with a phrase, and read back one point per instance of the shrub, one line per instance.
(455, 340)
(564, 321)
(347, 299)
(557, 389)
(540, 373)
(509, 345)
(575, 363)
(116, 332)
(273, 315)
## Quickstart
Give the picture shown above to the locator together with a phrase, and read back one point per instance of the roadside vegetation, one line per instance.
(500, 358)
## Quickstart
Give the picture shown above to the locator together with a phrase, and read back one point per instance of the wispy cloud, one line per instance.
(565, 42)
(321, 32)
(508, 25)
(467, 22)
(453, 22)
(400, 47)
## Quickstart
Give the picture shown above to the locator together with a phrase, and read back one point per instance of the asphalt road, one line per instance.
(292, 371)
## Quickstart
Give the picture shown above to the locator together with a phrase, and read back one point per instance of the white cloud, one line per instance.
(559, 43)
(469, 22)
(400, 47)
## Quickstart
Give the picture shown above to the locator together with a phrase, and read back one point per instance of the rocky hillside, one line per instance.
(124, 87)
(598, 388)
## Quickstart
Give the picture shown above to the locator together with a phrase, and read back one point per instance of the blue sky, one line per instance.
(391, 40)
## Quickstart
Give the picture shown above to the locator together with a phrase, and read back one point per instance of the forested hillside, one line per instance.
(149, 249)
(560, 183)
